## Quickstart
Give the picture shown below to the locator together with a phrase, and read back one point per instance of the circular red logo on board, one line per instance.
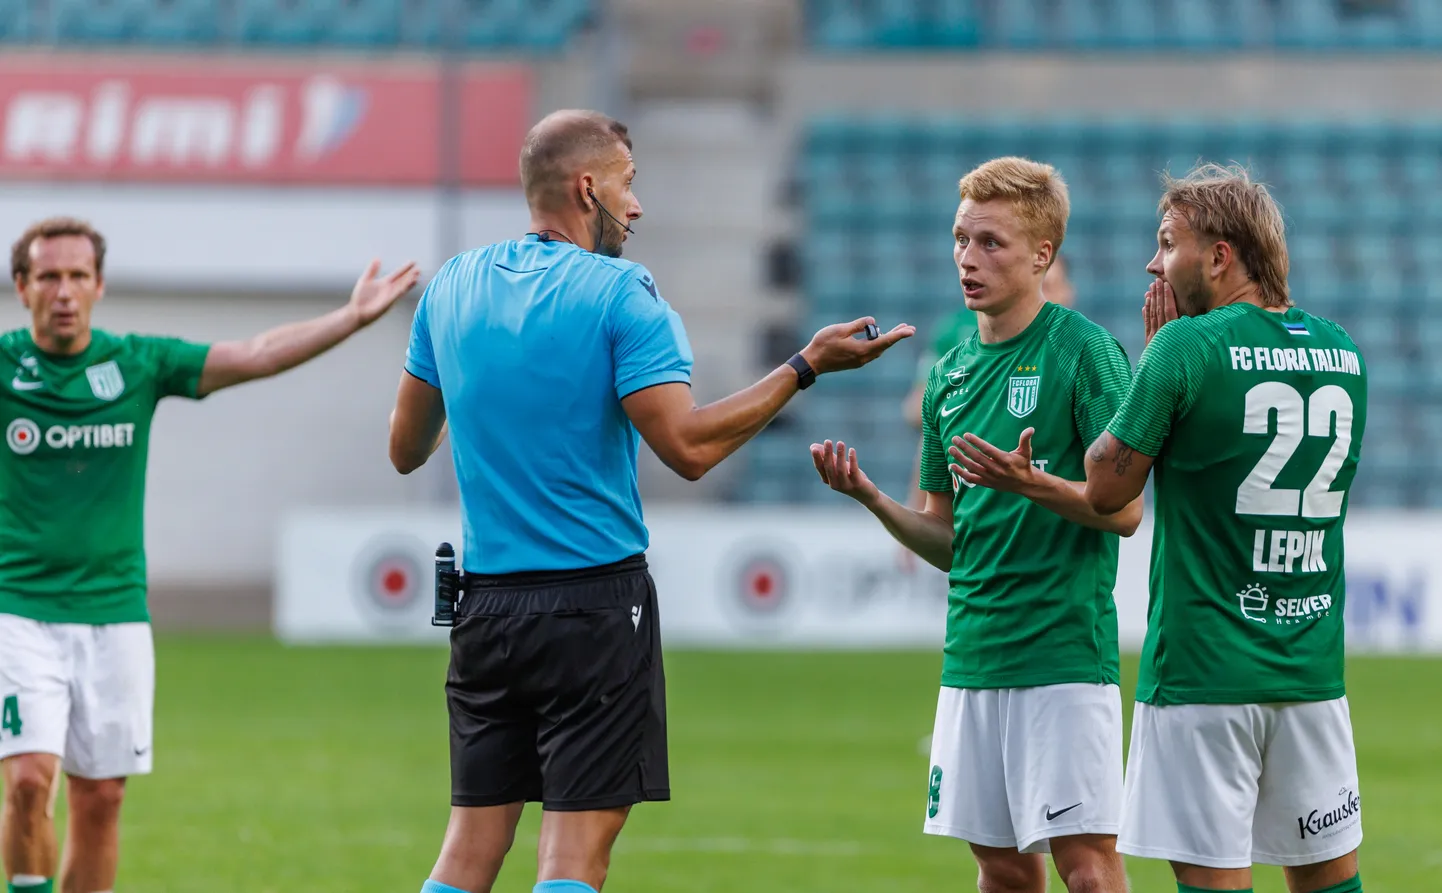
(762, 585)
(394, 581)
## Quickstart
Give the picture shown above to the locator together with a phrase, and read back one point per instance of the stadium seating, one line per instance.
(1119, 25)
(468, 25)
(1365, 234)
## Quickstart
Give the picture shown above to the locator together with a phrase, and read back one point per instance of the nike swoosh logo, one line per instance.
(951, 410)
(19, 385)
(1052, 815)
(141, 751)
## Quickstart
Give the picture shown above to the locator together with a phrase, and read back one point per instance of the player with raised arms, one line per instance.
(77, 665)
(1251, 411)
(1027, 749)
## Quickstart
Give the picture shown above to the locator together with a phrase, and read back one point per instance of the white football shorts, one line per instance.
(1015, 767)
(1229, 785)
(83, 692)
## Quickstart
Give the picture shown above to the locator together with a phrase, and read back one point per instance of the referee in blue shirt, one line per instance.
(550, 357)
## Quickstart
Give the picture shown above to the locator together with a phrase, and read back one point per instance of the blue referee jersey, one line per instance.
(533, 344)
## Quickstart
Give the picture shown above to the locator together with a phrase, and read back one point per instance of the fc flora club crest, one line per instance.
(105, 380)
(1022, 391)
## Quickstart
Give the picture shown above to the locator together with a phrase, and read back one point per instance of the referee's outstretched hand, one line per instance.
(835, 348)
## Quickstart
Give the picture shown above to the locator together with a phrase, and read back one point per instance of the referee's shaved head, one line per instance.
(562, 145)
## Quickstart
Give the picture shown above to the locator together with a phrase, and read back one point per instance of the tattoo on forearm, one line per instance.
(1124, 458)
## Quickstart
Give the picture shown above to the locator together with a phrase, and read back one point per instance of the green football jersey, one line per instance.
(949, 331)
(72, 479)
(1031, 593)
(1255, 419)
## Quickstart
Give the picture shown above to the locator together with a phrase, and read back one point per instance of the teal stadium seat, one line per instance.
(900, 23)
(1426, 24)
(1307, 24)
(1132, 24)
(535, 25)
(1019, 24)
(15, 21)
(283, 22)
(955, 23)
(95, 21)
(178, 22)
(1080, 25)
(1201, 25)
(1377, 29)
(364, 23)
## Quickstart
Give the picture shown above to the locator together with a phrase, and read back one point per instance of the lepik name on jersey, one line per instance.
(1287, 359)
(1277, 551)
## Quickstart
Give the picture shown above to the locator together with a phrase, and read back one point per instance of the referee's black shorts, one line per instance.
(556, 691)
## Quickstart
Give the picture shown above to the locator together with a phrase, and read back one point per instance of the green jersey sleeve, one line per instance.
(1166, 385)
(935, 475)
(1103, 375)
(178, 364)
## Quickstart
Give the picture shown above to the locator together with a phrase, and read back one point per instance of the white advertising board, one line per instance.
(787, 578)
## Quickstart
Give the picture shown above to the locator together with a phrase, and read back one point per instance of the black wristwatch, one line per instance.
(805, 375)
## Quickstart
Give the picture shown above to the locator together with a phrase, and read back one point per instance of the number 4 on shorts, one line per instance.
(10, 716)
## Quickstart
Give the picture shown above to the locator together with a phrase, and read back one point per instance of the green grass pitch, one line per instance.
(281, 770)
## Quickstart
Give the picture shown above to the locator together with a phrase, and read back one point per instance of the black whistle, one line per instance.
(872, 332)
(448, 584)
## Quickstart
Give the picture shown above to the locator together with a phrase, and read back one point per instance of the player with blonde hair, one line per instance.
(1027, 749)
(1252, 411)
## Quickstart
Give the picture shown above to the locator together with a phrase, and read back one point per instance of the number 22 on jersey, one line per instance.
(1327, 412)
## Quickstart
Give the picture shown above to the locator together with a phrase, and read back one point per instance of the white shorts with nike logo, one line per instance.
(83, 692)
(1015, 767)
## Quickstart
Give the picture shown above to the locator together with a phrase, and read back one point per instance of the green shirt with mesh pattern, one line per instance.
(1255, 420)
(72, 475)
(1031, 593)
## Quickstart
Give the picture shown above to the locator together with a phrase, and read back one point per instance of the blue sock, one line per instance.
(438, 887)
(562, 887)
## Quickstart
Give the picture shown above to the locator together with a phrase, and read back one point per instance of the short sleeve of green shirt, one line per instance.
(1164, 388)
(178, 364)
(1103, 375)
(935, 474)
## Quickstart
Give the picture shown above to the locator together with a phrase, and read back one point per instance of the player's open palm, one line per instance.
(983, 465)
(836, 347)
(840, 470)
(374, 294)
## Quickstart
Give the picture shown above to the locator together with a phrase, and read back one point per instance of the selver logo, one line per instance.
(23, 436)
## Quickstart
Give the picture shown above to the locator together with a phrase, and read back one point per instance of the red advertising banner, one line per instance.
(261, 121)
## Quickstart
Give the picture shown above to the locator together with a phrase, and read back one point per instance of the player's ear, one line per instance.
(586, 185)
(20, 290)
(1043, 256)
(1222, 257)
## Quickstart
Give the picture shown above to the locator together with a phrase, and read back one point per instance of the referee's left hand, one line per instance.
(836, 347)
(373, 296)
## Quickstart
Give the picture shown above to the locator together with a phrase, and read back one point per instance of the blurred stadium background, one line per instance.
(798, 165)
